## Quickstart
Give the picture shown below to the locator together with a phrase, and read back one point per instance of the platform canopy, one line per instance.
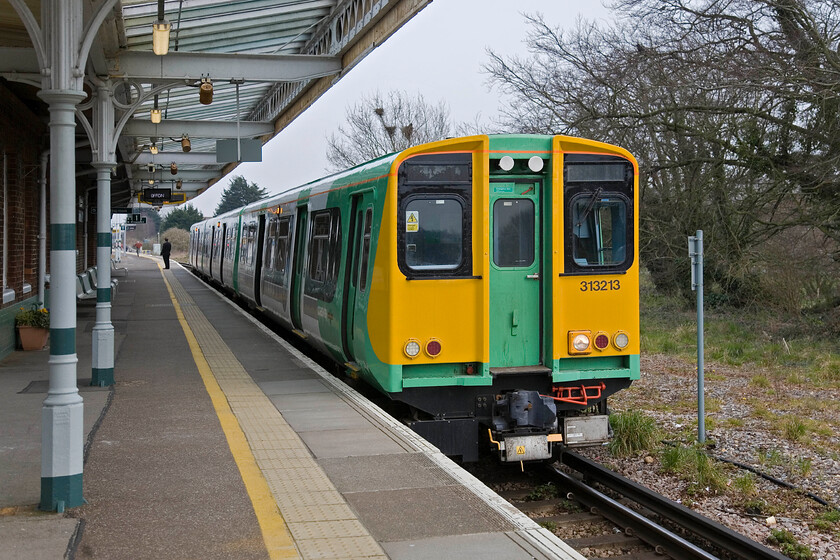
(267, 61)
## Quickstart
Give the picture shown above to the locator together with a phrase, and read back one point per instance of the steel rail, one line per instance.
(711, 531)
(633, 523)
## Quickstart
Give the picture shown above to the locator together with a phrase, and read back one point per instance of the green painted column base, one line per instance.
(102, 377)
(60, 492)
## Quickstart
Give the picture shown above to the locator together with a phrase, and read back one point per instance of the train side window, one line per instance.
(434, 233)
(282, 249)
(365, 250)
(270, 242)
(247, 247)
(324, 254)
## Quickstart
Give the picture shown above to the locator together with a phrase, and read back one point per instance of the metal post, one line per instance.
(695, 251)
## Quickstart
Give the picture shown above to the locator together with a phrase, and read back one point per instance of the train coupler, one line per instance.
(531, 447)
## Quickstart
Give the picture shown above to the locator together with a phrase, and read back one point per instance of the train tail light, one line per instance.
(580, 342)
(601, 341)
(433, 348)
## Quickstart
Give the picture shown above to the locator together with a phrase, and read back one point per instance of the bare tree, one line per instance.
(731, 108)
(381, 124)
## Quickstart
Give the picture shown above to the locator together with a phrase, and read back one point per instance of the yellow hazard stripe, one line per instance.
(278, 540)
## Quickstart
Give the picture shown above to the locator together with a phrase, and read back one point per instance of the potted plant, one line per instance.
(33, 326)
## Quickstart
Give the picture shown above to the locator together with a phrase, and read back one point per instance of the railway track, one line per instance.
(605, 515)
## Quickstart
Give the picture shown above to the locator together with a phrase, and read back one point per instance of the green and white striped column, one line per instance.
(62, 425)
(102, 358)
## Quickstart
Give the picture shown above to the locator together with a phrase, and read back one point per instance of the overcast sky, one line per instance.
(438, 53)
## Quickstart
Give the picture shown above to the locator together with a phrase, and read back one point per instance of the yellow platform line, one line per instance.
(278, 540)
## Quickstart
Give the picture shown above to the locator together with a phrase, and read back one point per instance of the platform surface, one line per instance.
(220, 440)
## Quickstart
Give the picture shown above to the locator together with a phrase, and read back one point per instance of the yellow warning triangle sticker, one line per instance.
(412, 218)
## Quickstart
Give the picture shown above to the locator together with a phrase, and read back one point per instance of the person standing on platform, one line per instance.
(164, 252)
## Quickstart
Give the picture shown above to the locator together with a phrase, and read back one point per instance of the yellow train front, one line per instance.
(505, 291)
(488, 283)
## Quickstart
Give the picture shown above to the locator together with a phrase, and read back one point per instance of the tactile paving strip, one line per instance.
(321, 522)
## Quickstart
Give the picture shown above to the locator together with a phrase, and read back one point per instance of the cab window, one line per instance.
(599, 224)
(434, 217)
(433, 234)
(599, 214)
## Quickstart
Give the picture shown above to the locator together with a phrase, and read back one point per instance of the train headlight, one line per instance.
(433, 348)
(580, 342)
(602, 340)
(621, 340)
(412, 347)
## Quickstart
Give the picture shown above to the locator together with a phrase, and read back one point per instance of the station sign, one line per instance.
(121, 210)
(135, 219)
(157, 196)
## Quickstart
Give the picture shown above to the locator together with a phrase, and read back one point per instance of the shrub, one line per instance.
(35, 316)
(696, 468)
(789, 546)
(632, 432)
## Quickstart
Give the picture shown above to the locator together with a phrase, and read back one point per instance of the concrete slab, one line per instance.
(313, 384)
(384, 472)
(306, 401)
(418, 513)
(35, 536)
(458, 547)
(20, 452)
(350, 443)
(340, 415)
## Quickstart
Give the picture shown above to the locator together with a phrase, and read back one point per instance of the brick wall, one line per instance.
(21, 144)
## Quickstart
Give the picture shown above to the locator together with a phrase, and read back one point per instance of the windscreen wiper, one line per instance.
(589, 206)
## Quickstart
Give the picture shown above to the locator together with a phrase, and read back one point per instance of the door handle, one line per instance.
(533, 276)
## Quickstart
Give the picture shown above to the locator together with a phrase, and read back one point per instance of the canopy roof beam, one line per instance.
(192, 66)
(196, 129)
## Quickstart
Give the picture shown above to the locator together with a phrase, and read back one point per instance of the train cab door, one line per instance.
(298, 266)
(515, 274)
(354, 306)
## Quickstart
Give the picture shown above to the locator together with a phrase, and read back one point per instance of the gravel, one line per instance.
(782, 426)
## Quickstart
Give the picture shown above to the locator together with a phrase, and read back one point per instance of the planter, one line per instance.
(33, 338)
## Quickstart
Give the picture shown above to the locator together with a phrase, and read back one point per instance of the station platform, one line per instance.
(220, 440)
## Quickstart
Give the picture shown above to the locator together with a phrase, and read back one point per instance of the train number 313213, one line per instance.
(600, 285)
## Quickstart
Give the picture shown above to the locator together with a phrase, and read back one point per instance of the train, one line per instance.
(488, 285)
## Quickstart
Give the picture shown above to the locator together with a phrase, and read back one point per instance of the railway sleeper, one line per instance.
(604, 541)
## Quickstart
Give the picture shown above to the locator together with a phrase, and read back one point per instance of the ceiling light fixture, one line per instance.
(160, 32)
(153, 148)
(205, 91)
(173, 168)
(186, 146)
(155, 114)
(178, 184)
